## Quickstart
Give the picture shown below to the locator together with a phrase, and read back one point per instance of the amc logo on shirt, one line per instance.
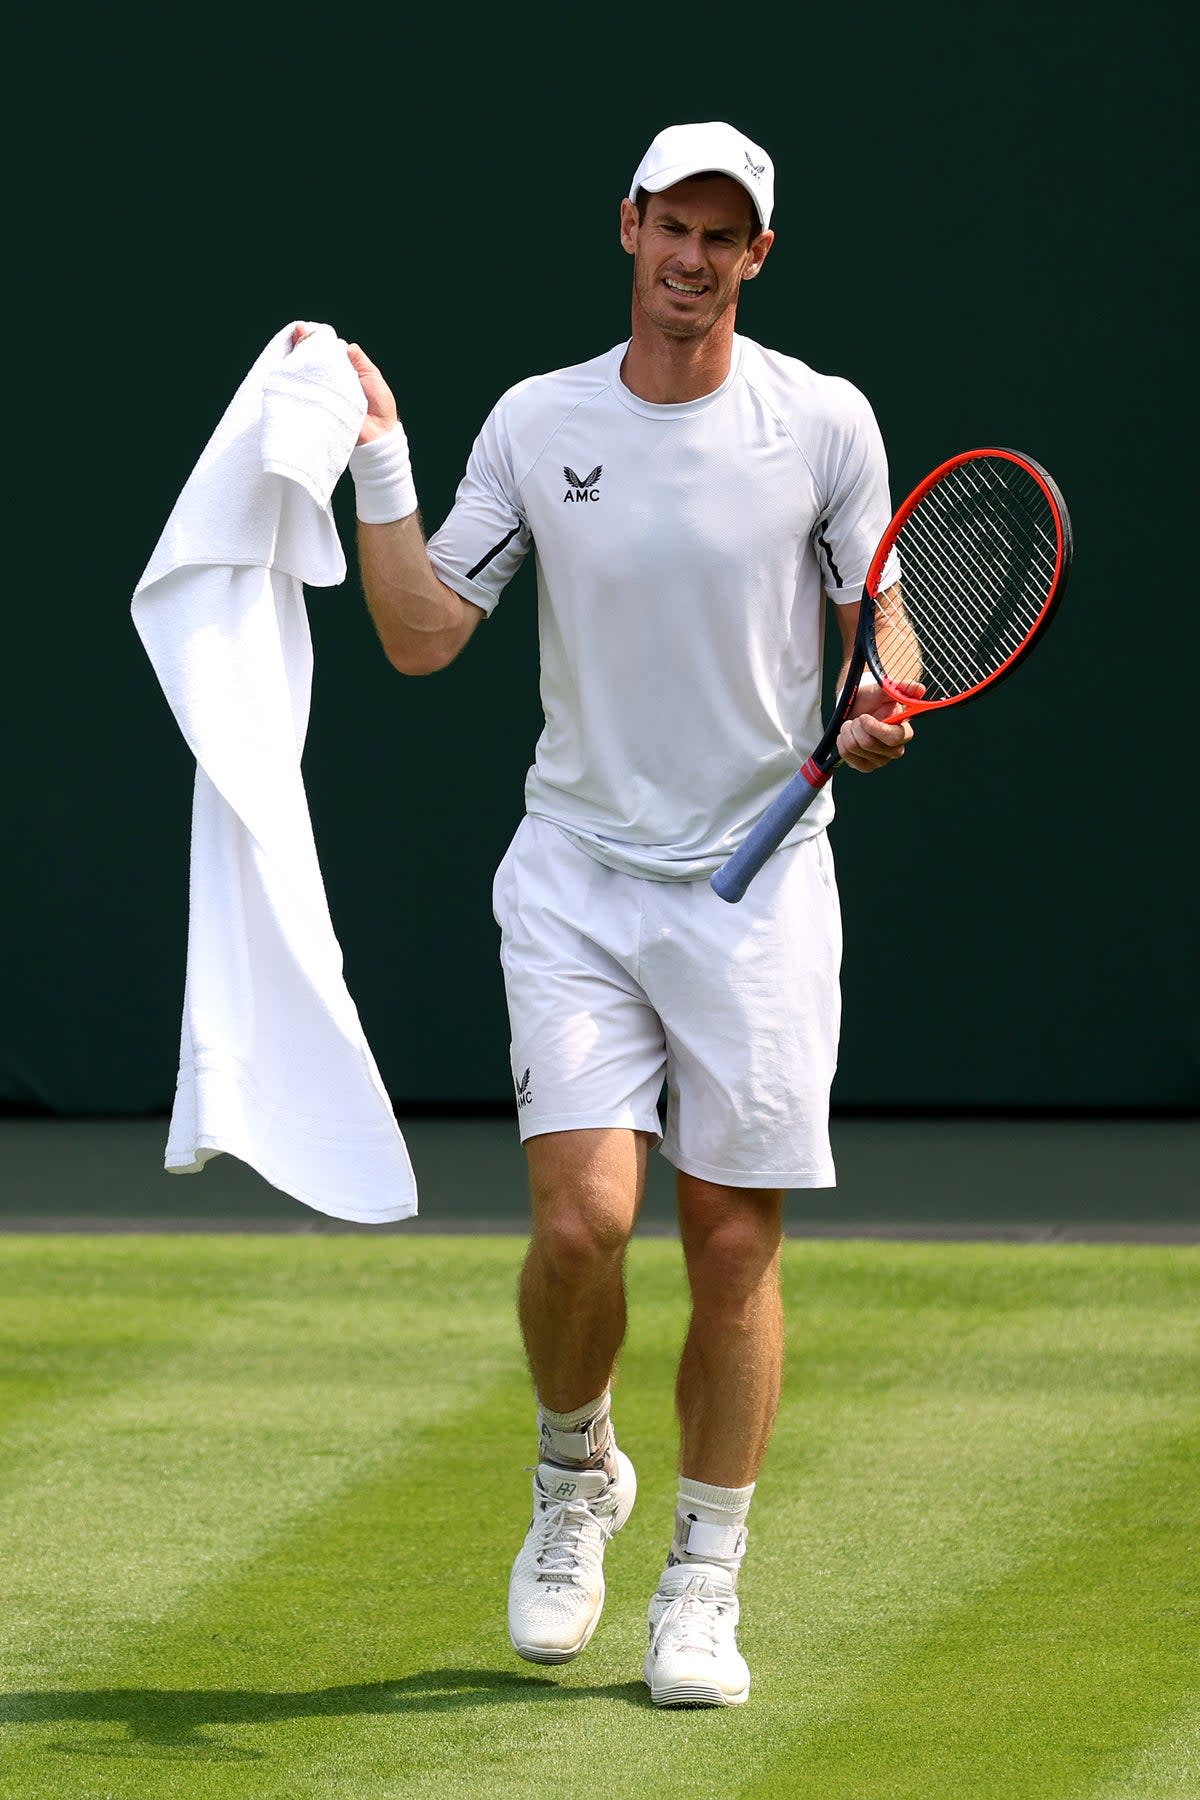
(585, 489)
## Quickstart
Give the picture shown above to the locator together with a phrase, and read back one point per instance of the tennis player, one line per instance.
(691, 499)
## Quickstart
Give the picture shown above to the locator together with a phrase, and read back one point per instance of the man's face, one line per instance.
(691, 252)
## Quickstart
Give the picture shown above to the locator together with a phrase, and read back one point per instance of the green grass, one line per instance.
(258, 1498)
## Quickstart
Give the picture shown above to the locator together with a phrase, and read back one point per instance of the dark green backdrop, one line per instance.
(981, 222)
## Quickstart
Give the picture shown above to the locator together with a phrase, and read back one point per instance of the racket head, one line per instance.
(966, 578)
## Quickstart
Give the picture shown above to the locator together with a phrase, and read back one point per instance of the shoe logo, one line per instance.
(524, 1097)
(753, 168)
(585, 489)
(563, 1490)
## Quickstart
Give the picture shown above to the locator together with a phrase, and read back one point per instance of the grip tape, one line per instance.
(788, 807)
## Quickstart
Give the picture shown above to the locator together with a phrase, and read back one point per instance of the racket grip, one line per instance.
(790, 805)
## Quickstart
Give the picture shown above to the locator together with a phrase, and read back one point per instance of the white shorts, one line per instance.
(617, 984)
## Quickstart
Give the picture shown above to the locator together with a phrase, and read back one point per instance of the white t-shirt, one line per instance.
(681, 555)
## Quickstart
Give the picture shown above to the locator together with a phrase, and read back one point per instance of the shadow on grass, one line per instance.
(170, 1723)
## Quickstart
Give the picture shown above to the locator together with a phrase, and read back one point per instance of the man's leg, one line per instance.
(727, 1396)
(586, 1189)
(729, 1375)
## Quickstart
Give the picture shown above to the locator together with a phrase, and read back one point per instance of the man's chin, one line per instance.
(682, 324)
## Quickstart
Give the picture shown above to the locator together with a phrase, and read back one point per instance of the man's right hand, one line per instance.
(381, 403)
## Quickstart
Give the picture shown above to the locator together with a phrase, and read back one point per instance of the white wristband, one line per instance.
(383, 479)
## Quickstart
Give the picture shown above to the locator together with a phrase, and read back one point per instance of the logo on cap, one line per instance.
(755, 169)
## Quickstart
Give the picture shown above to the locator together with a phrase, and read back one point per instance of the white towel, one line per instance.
(274, 1066)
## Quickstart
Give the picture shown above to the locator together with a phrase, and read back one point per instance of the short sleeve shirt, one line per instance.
(682, 554)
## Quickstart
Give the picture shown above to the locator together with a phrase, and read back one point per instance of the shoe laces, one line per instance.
(694, 1620)
(569, 1534)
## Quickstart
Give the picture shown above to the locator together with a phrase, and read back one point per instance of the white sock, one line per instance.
(578, 1439)
(710, 1524)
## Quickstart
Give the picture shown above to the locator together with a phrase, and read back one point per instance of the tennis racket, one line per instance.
(965, 580)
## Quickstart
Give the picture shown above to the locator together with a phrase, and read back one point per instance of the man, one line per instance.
(689, 496)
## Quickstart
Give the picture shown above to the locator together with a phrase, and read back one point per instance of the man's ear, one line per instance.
(758, 253)
(629, 226)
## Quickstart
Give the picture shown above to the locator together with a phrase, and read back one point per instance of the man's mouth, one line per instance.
(690, 288)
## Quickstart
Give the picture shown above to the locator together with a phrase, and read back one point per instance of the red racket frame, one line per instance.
(1062, 527)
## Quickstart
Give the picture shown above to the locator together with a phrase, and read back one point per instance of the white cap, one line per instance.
(683, 150)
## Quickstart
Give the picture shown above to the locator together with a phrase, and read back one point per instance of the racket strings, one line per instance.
(971, 571)
(969, 566)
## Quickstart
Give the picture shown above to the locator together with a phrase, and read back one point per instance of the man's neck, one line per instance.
(668, 371)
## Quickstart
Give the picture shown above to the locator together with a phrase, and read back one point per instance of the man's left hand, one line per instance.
(870, 738)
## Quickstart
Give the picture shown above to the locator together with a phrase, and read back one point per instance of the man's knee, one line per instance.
(585, 1189)
(574, 1239)
(733, 1247)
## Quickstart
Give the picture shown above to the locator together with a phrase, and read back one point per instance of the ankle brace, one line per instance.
(710, 1524)
(579, 1439)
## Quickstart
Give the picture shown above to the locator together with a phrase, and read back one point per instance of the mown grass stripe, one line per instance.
(1038, 1686)
(283, 1387)
(1167, 1767)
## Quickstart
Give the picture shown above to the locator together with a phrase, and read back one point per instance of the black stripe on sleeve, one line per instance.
(493, 552)
(822, 528)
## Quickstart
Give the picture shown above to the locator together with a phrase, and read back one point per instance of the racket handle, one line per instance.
(734, 877)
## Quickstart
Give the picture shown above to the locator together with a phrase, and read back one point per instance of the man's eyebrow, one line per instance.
(708, 230)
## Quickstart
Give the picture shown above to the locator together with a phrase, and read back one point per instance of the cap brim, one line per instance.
(685, 171)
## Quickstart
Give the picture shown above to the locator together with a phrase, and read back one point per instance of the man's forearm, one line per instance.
(422, 624)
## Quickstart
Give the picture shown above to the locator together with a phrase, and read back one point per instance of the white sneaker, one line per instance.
(693, 1659)
(556, 1589)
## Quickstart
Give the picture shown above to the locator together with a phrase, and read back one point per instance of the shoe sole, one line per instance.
(696, 1693)
(535, 1653)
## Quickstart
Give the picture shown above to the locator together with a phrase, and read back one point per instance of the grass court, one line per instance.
(261, 1493)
